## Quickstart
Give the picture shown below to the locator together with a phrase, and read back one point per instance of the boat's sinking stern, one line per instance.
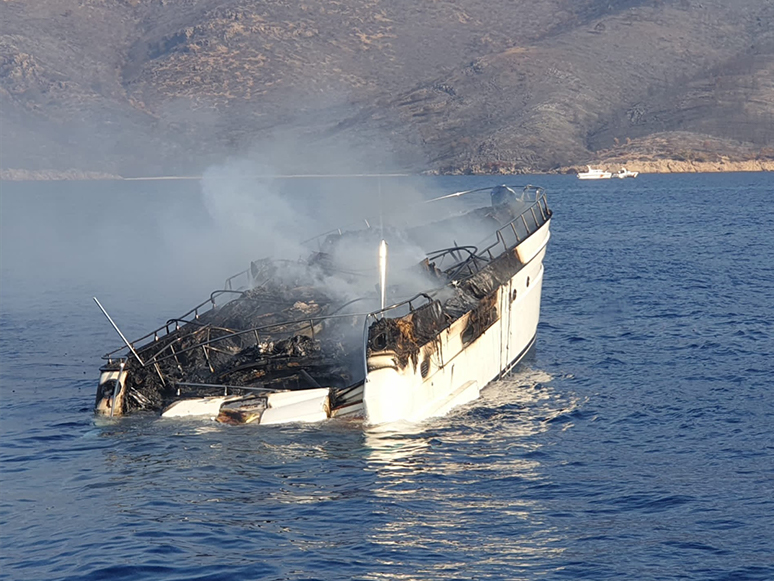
(110, 393)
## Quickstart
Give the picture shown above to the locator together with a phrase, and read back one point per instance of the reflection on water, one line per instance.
(440, 481)
(392, 502)
(514, 408)
(393, 446)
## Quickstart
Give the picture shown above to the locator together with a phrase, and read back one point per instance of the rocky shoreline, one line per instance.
(682, 166)
(661, 166)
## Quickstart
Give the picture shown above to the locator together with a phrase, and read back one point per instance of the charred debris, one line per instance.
(295, 325)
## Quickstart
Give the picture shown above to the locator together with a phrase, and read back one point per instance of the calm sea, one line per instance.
(637, 442)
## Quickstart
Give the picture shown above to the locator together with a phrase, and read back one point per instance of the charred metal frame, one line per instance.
(508, 236)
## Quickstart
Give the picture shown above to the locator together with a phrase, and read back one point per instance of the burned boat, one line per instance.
(302, 341)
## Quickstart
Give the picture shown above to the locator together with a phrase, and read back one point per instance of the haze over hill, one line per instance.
(144, 87)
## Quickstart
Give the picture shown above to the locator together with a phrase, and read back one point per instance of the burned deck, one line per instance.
(289, 332)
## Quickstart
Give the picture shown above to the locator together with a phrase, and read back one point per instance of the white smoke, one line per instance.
(257, 214)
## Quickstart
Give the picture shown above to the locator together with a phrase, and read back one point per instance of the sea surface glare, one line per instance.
(637, 441)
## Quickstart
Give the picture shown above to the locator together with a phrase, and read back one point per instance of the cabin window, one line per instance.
(527, 282)
(425, 367)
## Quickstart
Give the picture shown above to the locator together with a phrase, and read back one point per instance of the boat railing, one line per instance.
(228, 285)
(319, 237)
(528, 190)
(289, 328)
(191, 316)
(168, 351)
(507, 237)
(173, 325)
(529, 221)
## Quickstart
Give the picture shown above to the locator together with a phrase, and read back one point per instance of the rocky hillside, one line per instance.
(144, 87)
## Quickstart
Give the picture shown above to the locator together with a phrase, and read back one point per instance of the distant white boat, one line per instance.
(594, 174)
(625, 173)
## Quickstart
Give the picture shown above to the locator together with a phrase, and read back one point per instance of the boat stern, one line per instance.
(109, 400)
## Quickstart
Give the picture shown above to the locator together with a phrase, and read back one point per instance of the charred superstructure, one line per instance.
(301, 341)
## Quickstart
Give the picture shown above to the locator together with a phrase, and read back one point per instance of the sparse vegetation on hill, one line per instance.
(142, 87)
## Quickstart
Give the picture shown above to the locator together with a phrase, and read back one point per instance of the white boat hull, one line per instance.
(594, 174)
(457, 372)
(420, 360)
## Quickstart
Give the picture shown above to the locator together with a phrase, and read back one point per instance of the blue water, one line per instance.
(637, 442)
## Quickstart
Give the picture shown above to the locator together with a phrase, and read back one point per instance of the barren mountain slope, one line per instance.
(560, 99)
(161, 86)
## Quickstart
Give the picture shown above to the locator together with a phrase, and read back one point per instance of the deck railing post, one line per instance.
(117, 388)
(207, 357)
(161, 376)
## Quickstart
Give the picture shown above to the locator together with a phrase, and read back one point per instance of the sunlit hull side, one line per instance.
(456, 371)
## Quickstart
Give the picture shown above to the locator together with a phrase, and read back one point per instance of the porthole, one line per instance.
(514, 294)
(527, 282)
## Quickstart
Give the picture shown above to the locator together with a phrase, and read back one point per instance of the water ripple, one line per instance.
(635, 443)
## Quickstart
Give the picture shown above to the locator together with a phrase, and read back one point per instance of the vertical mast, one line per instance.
(383, 270)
